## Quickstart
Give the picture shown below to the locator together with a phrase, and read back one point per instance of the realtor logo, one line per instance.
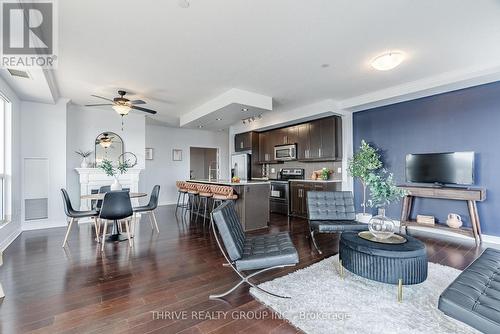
(28, 33)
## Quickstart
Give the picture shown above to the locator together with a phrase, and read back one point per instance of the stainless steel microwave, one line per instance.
(285, 152)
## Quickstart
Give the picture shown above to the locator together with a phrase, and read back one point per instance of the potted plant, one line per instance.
(110, 170)
(383, 191)
(364, 162)
(325, 173)
(84, 155)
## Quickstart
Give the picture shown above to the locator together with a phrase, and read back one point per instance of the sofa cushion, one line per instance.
(474, 296)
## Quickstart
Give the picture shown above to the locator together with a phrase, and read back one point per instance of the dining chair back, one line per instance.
(75, 214)
(150, 208)
(102, 190)
(116, 205)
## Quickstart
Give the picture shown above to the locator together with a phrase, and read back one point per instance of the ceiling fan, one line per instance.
(121, 104)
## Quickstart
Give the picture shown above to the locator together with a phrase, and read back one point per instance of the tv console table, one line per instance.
(471, 196)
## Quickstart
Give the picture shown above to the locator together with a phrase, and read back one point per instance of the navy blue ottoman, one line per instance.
(401, 264)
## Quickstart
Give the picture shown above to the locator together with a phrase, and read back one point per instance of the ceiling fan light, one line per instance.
(388, 60)
(121, 109)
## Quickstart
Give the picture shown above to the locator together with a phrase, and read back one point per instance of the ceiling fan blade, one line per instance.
(143, 109)
(99, 104)
(137, 102)
(100, 97)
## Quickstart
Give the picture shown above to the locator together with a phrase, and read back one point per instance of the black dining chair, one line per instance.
(150, 208)
(116, 206)
(75, 215)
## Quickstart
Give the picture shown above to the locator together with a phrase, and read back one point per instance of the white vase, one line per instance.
(84, 163)
(116, 185)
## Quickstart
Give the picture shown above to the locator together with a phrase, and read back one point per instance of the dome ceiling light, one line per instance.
(388, 60)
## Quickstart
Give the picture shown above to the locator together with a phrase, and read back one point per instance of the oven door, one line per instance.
(279, 191)
(285, 152)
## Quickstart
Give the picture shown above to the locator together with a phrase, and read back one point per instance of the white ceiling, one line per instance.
(179, 58)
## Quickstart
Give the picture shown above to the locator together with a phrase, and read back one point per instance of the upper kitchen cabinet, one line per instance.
(243, 141)
(302, 141)
(321, 140)
(266, 147)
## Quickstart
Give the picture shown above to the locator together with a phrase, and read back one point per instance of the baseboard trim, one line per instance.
(13, 236)
(490, 239)
(41, 226)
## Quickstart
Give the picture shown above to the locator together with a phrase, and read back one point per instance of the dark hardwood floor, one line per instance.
(81, 290)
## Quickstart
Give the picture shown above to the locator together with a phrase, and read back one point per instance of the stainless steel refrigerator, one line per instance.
(240, 166)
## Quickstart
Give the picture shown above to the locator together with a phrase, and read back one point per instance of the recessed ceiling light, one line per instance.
(244, 109)
(388, 60)
(218, 119)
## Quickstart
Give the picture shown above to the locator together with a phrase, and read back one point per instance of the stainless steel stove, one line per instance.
(280, 190)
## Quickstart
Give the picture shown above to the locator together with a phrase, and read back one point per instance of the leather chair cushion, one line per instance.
(335, 226)
(265, 251)
(474, 296)
(330, 205)
(230, 230)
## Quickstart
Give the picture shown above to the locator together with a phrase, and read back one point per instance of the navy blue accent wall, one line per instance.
(464, 120)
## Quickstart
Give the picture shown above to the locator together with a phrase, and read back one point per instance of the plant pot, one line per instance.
(116, 185)
(84, 163)
(380, 226)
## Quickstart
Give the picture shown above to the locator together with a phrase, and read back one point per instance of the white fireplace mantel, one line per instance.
(94, 178)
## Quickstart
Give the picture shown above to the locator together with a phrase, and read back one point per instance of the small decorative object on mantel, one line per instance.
(84, 155)
(176, 155)
(383, 191)
(148, 153)
(426, 220)
(125, 161)
(454, 220)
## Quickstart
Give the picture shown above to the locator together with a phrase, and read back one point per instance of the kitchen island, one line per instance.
(252, 204)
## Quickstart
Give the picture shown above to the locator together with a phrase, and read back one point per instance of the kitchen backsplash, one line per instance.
(309, 168)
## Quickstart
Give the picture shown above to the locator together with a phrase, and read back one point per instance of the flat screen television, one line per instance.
(441, 168)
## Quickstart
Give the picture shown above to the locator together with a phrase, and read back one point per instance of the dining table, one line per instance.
(115, 234)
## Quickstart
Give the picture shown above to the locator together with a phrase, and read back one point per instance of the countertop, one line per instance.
(317, 181)
(229, 183)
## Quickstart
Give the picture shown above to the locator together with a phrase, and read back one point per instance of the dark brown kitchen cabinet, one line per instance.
(266, 147)
(243, 141)
(298, 195)
(292, 135)
(302, 141)
(314, 151)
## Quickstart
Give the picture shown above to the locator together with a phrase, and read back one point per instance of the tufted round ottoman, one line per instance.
(401, 264)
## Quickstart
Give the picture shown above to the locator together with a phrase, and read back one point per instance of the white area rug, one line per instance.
(323, 302)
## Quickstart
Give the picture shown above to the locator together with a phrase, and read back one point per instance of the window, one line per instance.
(4, 160)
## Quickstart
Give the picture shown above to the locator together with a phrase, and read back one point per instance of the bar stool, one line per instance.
(204, 193)
(181, 197)
(220, 195)
(193, 198)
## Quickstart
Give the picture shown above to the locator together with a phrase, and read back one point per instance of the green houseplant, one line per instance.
(383, 191)
(110, 170)
(362, 164)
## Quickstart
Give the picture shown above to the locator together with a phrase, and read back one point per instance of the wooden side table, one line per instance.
(469, 195)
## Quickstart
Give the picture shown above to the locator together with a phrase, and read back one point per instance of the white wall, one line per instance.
(85, 124)
(10, 231)
(43, 135)
(163, 171)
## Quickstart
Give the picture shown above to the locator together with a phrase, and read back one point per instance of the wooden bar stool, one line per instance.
(193, 197)
(204, 193)
(220, 195)
(181, 197)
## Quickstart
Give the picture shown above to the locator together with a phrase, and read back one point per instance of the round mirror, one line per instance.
(109, 146)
